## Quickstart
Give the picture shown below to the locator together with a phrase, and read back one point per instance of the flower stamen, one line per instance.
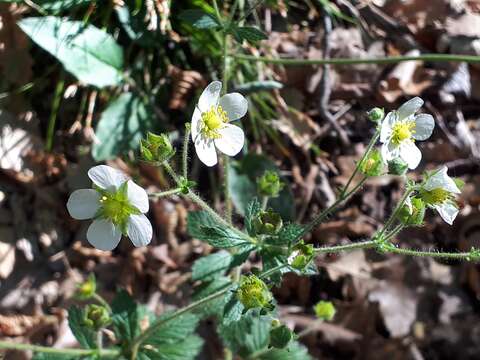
(213, 121)
(403, 130)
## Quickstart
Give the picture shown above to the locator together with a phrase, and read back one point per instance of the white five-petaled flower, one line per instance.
(401, 128)
(438, 192)
(117, 206)
(210, 123)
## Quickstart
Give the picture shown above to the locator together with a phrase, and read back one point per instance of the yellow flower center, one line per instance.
(212, 122)
(402, 131)
(435, 196)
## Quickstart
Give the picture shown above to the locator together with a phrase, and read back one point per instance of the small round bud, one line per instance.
(96, 317)
(324, 310)
(267, 222)
(275, 323)
(157, 148)
(372, 165)
(413, 212)
(254, 293)
(87, 289)
(376, 114)
(301, 256)
(397, 167)
(269, 184)
(280, 336)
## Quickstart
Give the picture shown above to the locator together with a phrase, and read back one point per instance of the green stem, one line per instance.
(346, 61)
(72, 352)
(102, 302)
(226, 180)
(395, 212)
(327, 212)
(264, 202)
(186, 141)
(370, 145)
(159, 323)
(57, 97)
(165, 193)
(367, 244)
(433, 254)
(172, 173)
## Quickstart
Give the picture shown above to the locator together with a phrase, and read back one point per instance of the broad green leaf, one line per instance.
(174, 330)
(126, 316)
(253, 208)
(271, 259)
(288, 235)
(121, 126)
(133, 22)
(248, 33)
(211, 287)
(243, 186)
(85, 336)
(184, 350)
(202, 226)
(199, 19)
(232, 310)
(211, 266)
(247, 335)
(90, 54)
(294, 351)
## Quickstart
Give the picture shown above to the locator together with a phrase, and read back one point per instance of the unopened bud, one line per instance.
(324, 310)
(157, 148)
(376, 114)
(269, 184)
(96, 316)
(372, 165)
(280, 336)
(397, 167)
(301, 255)
(413, 212)
(254, 293)
(267, 222)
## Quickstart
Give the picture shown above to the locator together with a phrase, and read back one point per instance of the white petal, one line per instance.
(447, 211)
(106, 177)
(205, 149)
(409, 108)
(196, 123)
(231, 140)
(137, 196)
(390, 151)
(139, 230)
(408, 203)
(410, 153)
(424, 125)
(387, 125)
(83, 204)
(441, 180)
(235, 105)
(210, 96)
(103, 235)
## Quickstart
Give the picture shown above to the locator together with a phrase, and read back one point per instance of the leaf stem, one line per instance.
(367, 244)
(186, 141)
(111, 353)
(165, 193)
(347, 61)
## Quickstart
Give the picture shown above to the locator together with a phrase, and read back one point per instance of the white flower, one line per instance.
(438, 192)
(401, 128)
(210, 123)
(117, 206)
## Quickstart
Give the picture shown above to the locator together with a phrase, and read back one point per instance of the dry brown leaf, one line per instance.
(183, 82)
(7, 259)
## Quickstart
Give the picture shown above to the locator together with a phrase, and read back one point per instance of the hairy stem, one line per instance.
(108, 353)
(346, 61)
(165, 193)
(186, 141)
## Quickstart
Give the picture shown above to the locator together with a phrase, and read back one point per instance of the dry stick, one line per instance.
(325, 88)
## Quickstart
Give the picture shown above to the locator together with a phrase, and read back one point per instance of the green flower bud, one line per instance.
(280, 336)
(185, 185)
(96, 317)
(269, 184)
(157, 148)
(267, 222)
(376, 114)
(254, 293)
(324, 310)
(301, 255)
(413, 212)
(87, 289)
(397, 167)
(372, 165)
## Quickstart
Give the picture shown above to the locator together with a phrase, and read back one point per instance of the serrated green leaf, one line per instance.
(247, 335)
(199, 19)
(90, 54)
(232, 310)
(85, 336)
(294, 351)
(252, 210)
(287, 236)
(126, 316)
(248, 33)
(211, 287)
(174, 330)
(212, 266)
(184, 350)
(121, 126)
(200, 225)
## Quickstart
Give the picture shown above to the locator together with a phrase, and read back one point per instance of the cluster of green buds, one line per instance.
(156, 148)
(96, 317)
(269, 184)
(376, 114)
(87, 289)
(301, 255)
(412, 212)
(324, 310)
(267, 222)
(280, 335)
(372, 165)
(254, 293)
(397, 167)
